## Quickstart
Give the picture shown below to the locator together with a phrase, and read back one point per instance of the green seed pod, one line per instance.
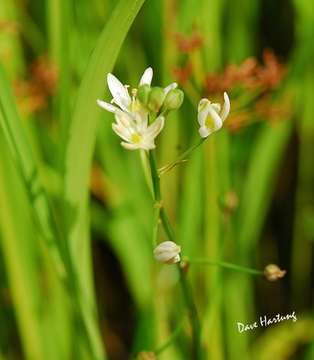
(143, 94)
(155, 99)
(173, 100)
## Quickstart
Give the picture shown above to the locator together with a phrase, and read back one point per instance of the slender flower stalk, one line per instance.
(211, 118)
(187, 293)
(153, 354)
(226, 265)
(170, 340)
(182, 158)
(146, 170)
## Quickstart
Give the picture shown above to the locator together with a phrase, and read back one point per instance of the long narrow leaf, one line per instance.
(16, 137)
(80, 147)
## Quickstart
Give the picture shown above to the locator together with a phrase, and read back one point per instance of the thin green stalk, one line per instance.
(187, 293)
(225, 265)
(170, 340)
(193, 314)
(216, 182)
(181, 158)
(146, 170)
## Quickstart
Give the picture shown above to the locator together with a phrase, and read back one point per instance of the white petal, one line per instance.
(216, 106)
(124, 119)
(167, 245)
(170, 87)
(203, 107)
(141, 121)
(176, 259)
(215, 117)
(202, 104)
(155, 128)
(164, 257)
(129, 146)
(119, 93)
(121, 131)
(147, 145)
(226, 107)
(203, 131)
(107, 106)
(147, 77)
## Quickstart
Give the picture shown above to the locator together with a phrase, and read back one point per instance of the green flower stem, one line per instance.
(181, 158)
(193, 315)
(156, 224)
(187, 293)
(146, 170)
(170, 340)
(225, 265)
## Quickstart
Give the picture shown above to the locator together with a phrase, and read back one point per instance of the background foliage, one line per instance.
(77, 275)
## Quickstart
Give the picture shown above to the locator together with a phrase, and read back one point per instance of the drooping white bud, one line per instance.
(167, 252)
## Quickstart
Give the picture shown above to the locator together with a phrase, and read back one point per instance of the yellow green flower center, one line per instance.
(136, 138)
(210, 123)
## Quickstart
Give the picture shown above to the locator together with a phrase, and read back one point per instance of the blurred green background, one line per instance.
(77, 275)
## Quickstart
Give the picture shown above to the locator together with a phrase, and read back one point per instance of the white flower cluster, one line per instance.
(132, 115)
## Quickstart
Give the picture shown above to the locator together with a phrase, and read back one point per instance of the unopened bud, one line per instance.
(167, 252)
(155, 99)
(143, 93)
(173, 100)
(272, 272)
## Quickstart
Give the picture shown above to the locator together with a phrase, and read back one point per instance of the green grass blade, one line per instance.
(59, 17)
(86, 113)
(260, 180)
(22, 153)
(19, 257)
(80, 147)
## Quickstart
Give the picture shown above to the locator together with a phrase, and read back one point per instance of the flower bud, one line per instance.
(272, 272)
(173, 100)
(143, 93)
(167, 252)
(155, 99)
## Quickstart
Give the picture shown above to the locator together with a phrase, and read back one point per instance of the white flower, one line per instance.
(210, 115)
(136, 133)
(167, 252)
(131, 117)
